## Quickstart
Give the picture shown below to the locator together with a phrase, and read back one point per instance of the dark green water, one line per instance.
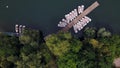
(45, 14)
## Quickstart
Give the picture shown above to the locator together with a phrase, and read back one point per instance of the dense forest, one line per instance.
(96, 48)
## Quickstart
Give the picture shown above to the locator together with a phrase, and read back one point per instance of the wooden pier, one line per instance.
(87, 11)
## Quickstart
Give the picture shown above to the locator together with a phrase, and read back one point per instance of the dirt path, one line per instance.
(117, 63)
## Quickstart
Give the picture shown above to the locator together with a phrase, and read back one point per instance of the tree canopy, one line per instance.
(97, 49)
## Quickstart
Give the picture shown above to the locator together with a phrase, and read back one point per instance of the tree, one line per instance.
(89, 32)
(31, 40)
(65, 48)
(8, 45)
(86, 56)
(115, 44)
(59, 50)
(96, 54)
(31, 35)
(32, 60)
(102, 32)
(58, 43)
(6, 64)
(67, 61)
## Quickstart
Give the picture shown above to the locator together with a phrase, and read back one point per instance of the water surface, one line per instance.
(46, 14)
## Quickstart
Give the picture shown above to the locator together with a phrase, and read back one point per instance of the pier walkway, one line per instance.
(87, 11)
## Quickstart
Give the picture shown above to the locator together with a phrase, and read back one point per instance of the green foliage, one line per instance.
(58, 43)
(6, 64)
(75, 45)
(97, 49)
(94, 43)
(89, 32)
(65, 48)
(26, 49)
(67, 61)
(115, 44)
(12, 58)
(25, 39)
(31, 40)
(31, 35)
(32, 60)
(13, 54)
(8, 45)
(102, 32)
(87, 56)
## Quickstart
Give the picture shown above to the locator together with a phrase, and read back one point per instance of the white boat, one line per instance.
(71, 16)
(80, 9)
(16, 28)
(20, 29)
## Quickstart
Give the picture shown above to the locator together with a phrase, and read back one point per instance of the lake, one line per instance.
(46, 14)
